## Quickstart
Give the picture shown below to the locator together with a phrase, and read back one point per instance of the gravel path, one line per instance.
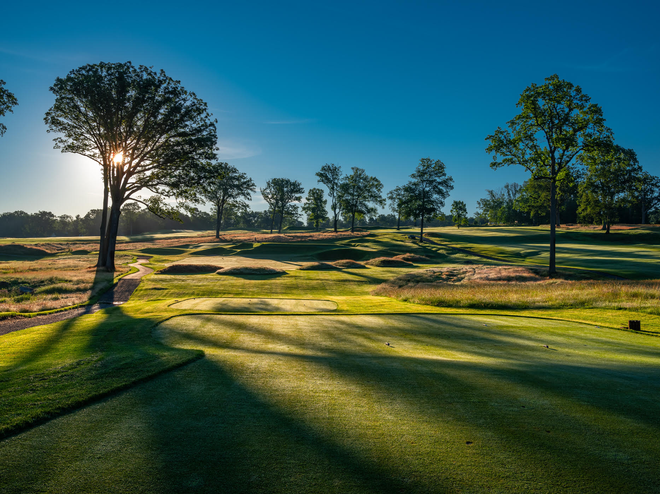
(117, 295)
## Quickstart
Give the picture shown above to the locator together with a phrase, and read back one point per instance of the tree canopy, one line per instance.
(142, 127)
(224, 185)
(556, 123)
(427, 190)
(458, 213)
(280, 194)
(609, 180)
(330, 175)
(7, 102)
(359, 193)
(314, 207)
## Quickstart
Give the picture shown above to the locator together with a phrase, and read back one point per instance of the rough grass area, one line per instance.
(249, 270)
(53, 282)
(510, 287)
(189, 269)
(415, 258)
(388, 262)
(348, 264)
(318, 266)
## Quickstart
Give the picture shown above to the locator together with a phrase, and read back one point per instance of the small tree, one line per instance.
(144, 130)
(398, 198)
(557, 122)
(428, 188)
(608, 182)
(314, 207)
(358, 193)
(225, 186)
(280, 193)
(458, 212)
(7, 101)
(330, 175)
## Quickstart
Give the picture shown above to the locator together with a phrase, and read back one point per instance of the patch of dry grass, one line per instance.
(388, 262)
(511, 287)
(318, 266)
(243, 270)
(348, 264)
(190, 268)
(54, 282)
(412, 258)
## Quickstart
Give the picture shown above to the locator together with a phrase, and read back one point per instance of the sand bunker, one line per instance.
(256, 305)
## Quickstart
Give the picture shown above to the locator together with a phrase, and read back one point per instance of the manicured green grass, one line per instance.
(320, 403)
(631, 254)
(309, 403)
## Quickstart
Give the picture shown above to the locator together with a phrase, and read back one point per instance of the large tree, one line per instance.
(429, 188)
(330, 175)
(142, 127)
(280, 194)
(610, 178)
(224, 186)
(314, 207)
(556, 123)
(648, 192)
(7, 101)
(358, 194)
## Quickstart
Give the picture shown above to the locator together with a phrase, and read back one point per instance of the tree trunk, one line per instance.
(553, 222)
(272, 222)
(217, 221)
(103, 244)
(353, 222)
(113, 228)
(335, 212)
(281, 220)
(643, 209)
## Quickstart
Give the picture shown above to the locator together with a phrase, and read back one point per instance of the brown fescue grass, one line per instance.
(243, 270)
(348, 264)
(190, 268)
(641, 296)
(412, 258)
(56, 282)
(388, 262)
(318, 266)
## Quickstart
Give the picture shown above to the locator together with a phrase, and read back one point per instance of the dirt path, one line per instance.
(117, 295)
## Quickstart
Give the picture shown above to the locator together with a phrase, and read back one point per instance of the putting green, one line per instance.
(256, 305)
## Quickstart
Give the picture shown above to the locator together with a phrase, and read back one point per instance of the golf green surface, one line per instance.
(321, 403)
(238, 304)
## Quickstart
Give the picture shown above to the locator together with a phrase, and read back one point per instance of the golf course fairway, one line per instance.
(366, 403)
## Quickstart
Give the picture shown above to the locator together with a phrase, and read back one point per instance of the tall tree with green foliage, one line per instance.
(648, 193)
(314, 207)
(7, 102)
(280, 194)
(398, 198)
(358, 194)
(224, 186)
(330, 175)
(428, 189)
(610, 178)
(556, 124)
(458, 213)
(142, 127)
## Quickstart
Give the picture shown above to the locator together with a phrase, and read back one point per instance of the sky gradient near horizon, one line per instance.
(295, 84)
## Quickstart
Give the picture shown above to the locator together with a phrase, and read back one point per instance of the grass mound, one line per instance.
(388, 262)
(243, 270)
(318, 266)
(341, 254)
(348, 264)
(476, 273)
(189, 268)
(412, 258)
(11, 250)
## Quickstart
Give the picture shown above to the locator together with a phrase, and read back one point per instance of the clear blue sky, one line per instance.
(295, 85)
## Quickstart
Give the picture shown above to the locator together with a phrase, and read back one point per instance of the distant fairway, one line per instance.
(322, 404)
